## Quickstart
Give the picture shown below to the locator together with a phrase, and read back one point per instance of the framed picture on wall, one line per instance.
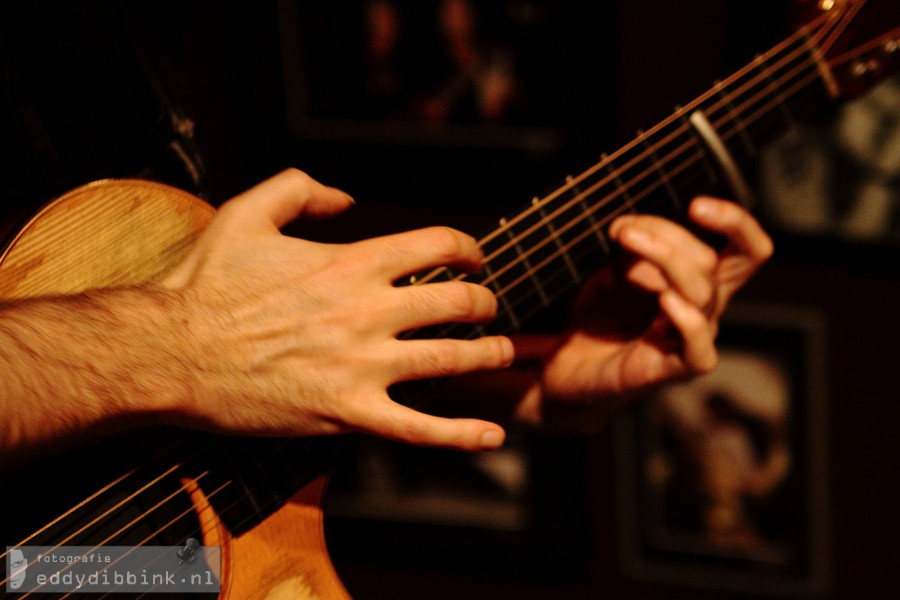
(445, 73)
(721, 479)
(838, 177)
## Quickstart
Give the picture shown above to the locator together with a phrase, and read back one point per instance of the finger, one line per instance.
(393, 421)
(425, 359)
(687, 263)
(407, 253)
(448, 302)
(744, 232)
(289, 195)
(697, 332)
(647, 276)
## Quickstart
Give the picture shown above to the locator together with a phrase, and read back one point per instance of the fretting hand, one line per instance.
(293, 337)
(646, 320)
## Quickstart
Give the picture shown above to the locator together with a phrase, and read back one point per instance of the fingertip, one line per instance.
(507, 351)
(705, 207)
(615, 229)
(492, 439)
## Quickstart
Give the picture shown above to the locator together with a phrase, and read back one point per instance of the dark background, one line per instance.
(610, 68)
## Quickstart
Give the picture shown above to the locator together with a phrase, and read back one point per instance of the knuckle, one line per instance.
(695, 324)
(460, 299)
(499, 354)
(295, 176)
(230, 209)
(707, 363)
(442, 358)
(706, 293)
(708, 259)
(413, 432)
(667, 252)
(448, 242)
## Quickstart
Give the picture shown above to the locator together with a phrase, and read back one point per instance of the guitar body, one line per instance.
(120, 233)
(125, 232)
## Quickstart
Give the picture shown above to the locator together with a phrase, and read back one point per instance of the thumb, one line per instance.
(292, 194)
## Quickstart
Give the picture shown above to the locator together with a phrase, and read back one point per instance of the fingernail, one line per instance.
(619, 223)
(491, 439)
(635, 237)
(508, 350)
(703, 207)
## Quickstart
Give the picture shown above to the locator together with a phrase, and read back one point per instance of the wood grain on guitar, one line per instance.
(125, 232)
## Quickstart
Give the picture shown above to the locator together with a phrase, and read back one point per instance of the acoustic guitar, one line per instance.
(259, 500)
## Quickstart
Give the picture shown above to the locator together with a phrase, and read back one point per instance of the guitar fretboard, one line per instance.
(533, 258)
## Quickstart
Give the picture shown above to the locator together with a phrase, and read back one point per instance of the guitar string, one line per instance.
(149, 538)
(585, 215)
(96, 495)
(166, 526)
(639, 178)
(756, 79)
(115, 509)
(790, 92)
(607, 219)
(164, 474)
(588, 213)
(730, 134)
(681, 129)
(314, 471)
(111, 537)
(798, 85)
(727, 134)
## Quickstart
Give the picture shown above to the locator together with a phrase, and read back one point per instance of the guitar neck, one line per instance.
(546, 249)
(541, 253)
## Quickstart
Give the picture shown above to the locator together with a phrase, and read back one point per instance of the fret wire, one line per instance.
(733, 113)
(773, 103)
(290, 469)
(614, 173)
(554, 235)
(757, 111)
(761, 73)
(493, 283)
(617, 210)
(676, 200)
(811, 104)
(747, 69)
(527, 263)
(604, 243)
(754, 80)
(248, 493)
(607, 199)
(759, 60)
(595, 209)
(265, 475)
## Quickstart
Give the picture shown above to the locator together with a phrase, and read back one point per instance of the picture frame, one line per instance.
(721, 481)
(837, 177)
(519, 512)
(387, 72)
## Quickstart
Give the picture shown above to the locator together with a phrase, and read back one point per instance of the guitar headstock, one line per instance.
(859, 40)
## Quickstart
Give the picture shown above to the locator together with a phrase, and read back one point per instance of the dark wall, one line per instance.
(608, 68)
(613, 67)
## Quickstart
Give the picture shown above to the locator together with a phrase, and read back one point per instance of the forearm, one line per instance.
(99, 362)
